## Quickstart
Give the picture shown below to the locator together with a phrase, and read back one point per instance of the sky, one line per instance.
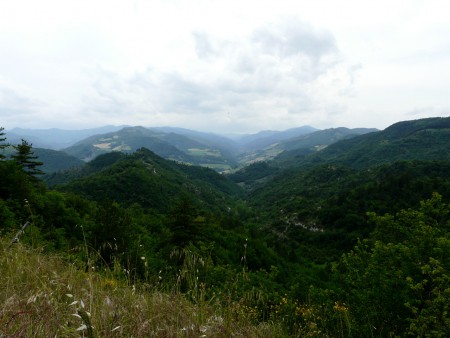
(223, 66)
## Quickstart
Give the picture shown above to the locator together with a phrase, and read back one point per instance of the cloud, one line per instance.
(17, 108)
(273, 76)
(242, 82)
(291, 38)
(429, 112)
(203, 46)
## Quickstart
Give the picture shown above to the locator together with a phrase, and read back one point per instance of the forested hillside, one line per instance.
(351, 240)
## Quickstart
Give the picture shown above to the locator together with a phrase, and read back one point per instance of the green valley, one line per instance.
(316, 233)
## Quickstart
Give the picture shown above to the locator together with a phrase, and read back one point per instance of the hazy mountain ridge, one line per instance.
(56, 138)
(179, 144)
(266, 138)
(322, 138)
(304, 144)
(424, 139)
(355, 147)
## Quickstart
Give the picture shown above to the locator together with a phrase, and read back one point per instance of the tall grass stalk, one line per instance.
(46, 296)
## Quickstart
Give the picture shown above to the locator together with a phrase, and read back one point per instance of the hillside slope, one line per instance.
(424, 139)
(169, 145)
(148, 179)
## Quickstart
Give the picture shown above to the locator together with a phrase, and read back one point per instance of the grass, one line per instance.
(44, 295)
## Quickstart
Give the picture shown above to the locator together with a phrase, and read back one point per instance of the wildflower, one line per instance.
(340, 307)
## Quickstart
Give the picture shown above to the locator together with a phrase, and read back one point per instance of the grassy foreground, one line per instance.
(44, 295)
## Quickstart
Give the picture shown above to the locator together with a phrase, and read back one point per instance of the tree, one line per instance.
(184, 222)
(398, 281)
(2, 140)
(25, 157)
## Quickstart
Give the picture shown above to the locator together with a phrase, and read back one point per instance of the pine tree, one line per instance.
(25, 157)
(184, 222)
(2, 140)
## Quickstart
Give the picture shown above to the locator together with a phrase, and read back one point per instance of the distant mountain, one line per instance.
(225, 144)
(165, 143)
(125, 140)
(424, 139)
(322, 138)
(420, 140)
(55, 138)
(303, 144)
(268, 137)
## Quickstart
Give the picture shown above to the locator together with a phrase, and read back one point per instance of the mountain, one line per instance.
(55, 138)
(405, 162)
(125, 140)
(55, 161)
(167, 144)
(323, 210)
(424, 139)
(148, 179)
(328, 238)
(322, 138)
(332, 189)
(226, 145)
(200, 148)
(303, 144)
(287, 153)
(265, 138)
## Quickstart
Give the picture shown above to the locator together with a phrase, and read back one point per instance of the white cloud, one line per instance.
(221, 66)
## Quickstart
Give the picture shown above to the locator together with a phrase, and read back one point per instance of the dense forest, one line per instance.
(352, 239)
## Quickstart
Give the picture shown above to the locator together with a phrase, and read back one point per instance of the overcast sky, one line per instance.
(223, 66)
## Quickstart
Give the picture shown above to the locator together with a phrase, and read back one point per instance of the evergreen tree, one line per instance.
(25, 157)
(184, 222)
(2, 140)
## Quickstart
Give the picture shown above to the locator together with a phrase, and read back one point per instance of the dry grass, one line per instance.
(44, 296)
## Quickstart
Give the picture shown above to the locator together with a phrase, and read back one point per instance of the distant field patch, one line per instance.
(103, 145)
(217, 166)
(204, 152)
(122, 147)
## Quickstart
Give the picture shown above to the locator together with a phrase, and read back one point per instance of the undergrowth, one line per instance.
(43, 295)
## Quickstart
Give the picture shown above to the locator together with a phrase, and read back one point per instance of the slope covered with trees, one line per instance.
(425, 139)
(329, 244)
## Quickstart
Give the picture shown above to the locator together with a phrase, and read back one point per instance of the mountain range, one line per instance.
(218, 152)
(295, 222)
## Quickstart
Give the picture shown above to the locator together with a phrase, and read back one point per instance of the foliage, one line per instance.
(397, 281)
(318, 250)
(153, 182)
(3, 145)
(425, 139)
(45, 295)
(24, 156)
(54, 161)
(324, 209)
